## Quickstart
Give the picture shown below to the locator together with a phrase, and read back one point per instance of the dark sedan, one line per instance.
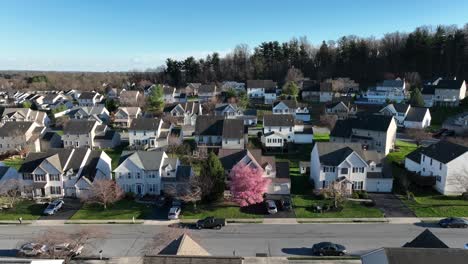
(453, 222)
(328, 249)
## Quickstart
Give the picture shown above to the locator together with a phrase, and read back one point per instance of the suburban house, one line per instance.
(444, 160)
(7, 174)
(124, 115)
(88, 134)
(317, 92)
(16, 136)
(90, 99)
(150, 173)
(129, 97)
(250, 117)
(264, 90)
(408, 116)
(280, 129)
(50, 139)
(351, 165)
(415, 256)
(184, 113)
(169, 94)
(98, 113)
(340, 110)
(374, 132)
(192, 88)
(444, 92)
(277, 172)
(150, 133)
(457, 123)
(393, 90)
(229, 111)
(217, 132)
(64, 172)
(112, 93)
(207, 92)
(285, 107)
(238, 87)
(25, 114)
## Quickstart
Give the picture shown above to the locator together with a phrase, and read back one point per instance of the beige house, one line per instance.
(16, 136)
(89, 134)
(25, 114)
(124, 116)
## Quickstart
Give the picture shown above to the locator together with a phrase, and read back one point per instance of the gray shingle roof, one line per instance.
(77, 126)
(426, 255)
(416, 114)
(207, 88)
(145, 124)
(282, 169)
(209, 126)
(278, 120)
(267, 84)
(15, 128)
(392, 83)
(147, 160)
(87, 95)
(344, 128)
(449, 84)
(3, 171)
(288, 103)
(444, 151)
(333, 154)
(401, 108)
(426, 240)
(233, 128)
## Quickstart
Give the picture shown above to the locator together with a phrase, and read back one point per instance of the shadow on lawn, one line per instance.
(255, 209)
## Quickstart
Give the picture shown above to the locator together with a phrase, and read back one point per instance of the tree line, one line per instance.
(422, 54)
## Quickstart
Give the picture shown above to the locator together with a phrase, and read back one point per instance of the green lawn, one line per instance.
(303, 206)
(217, 210)
(14, 162)
(404, 149)
(59, 132)
(124, 209)
(436, 205)
(114, 154)
(322, 137)
(440, 114)
(26, 209)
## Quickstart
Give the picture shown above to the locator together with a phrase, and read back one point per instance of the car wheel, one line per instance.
(341, 254)
(321, 254)
(199, 227)
(218, 227)
(465, 226)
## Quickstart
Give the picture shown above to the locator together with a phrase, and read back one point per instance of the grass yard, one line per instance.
(404, 149)
(303, 206)
(26, 209)
(217, 210)
(322, 137)
(440, 114)
(14, 162)
(436, 205)
(114, 154)
(124, 209)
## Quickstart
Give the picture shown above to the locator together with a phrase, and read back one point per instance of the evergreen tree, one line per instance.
(291, 89)
(215, 171)
(416, 98)
(156, 100)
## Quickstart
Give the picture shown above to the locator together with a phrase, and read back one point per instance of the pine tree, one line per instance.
(416, 98)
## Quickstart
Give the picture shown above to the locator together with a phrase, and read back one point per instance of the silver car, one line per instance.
(32, 250)
(53, 207)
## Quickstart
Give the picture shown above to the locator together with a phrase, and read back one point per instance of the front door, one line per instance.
(139, 189)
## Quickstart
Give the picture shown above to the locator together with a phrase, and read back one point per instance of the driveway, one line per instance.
(390, 205)
(69, 208)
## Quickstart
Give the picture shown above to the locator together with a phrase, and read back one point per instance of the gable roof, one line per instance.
(10, 129)
(415, 155)
(344, 128)
(428, 89)
(143, 123)
(87, 95)
(288, 103)
(444, 151)
(333, 154)
(416, 114)
(333, 105)
(449, 84)
(222, 107)
(278, 120)
(426, 255)
(147, 160)
(184, 246)
(207, 88)
(78, 126)
(209, 125)
(233, 128)
(267, 84)
(310, 86)
(401, 108)
(392, 83)
(3, 171)
(426, 240)
(282, 169)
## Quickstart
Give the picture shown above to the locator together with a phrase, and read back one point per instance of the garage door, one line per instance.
(379, 185)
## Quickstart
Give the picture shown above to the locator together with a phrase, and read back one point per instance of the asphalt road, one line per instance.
(245, 239)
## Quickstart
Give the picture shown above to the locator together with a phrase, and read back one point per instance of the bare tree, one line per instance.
(337, 190)
(189, 193)
(328, 121)
(10, 191)
(165, 237)
(104, 192)
(294, 75)
(418, 135)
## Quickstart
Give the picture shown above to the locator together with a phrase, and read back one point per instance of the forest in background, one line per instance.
(425, 53)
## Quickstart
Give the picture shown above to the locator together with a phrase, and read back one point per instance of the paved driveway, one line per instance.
(391, 205)
(68, 209)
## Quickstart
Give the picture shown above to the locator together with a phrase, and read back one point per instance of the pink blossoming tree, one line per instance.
(247, 185)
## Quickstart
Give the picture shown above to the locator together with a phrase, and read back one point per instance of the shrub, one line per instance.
(355, 195)
(363, 195)
(129, 196)
(368, 203)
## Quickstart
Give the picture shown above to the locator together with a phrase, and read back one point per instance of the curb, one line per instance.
(343, 220)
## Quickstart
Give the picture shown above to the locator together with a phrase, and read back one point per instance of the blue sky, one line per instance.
(106, 35)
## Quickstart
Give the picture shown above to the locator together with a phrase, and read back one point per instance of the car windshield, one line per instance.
(272, 207)
(51, 206)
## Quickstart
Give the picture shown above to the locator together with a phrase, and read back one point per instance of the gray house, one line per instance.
(217, 132)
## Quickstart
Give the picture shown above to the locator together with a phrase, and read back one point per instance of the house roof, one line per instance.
(310, 86)
(282, 169)
(288, 103)
(416, 114)
(222, 107)
(47, 136)
(87, 95)
(207, 88)
(78, 126)
(129, 94)
(267, 84)
(231, 157)
(233, 128)
(184, 246)
(392, 83)
(333, 105)
(401, 108)
(147, 160)
(326, 87)
(89, 110)
(278, 120)
(145, 124)
(333, 154)
(167, 90)
(344, 128)
(3, 171)
(426, 255)
(444, 151)
(428, 89)
(183, 173)
(130, 110)
(10, 129)
(209, 125)
(450, 84)
(168, 259)
(426, 239)
(415, 155)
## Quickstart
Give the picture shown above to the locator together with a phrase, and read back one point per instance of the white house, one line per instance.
(442, 92)
(217, 132)
(407, 116)
(150, 172)
(285, 107)
(262, 89)
(278, 130)
(16, 136)
(393, 90)
(124, 115)
(143, 133)
(351, 165)
(98, 113)
(90, 99)
(227, 110)
(64, 172)
(340, 110)
(184, 113)
(88, 134)
(25, 114)
(446, 161)
(236, 86)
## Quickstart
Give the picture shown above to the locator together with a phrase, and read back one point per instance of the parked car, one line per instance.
(271, 206)
(174, 213)
(53, 207)
(328, 249)
(285, 204)
(32, 250)
(453, 222)
(211, 222)
(66, 249)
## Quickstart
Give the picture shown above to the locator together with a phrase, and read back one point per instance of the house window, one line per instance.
(440, 166)
(77, 144)
(290, 129)
(54, 177)
(423, 158)
(344, 171)
(39, 177)
(430, 162)
(438, 178)
(129, 175)
(55, 190)
(27, 177)
(138, 175)
(357, 185)
(144, 133)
